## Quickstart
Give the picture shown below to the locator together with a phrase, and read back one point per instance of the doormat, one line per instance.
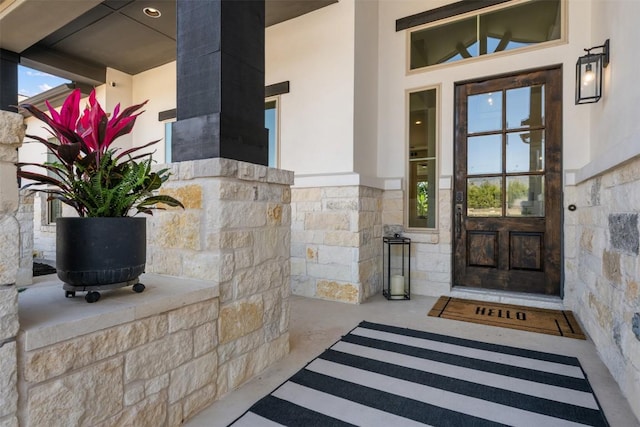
(541, 320)
(380, 375)
(40, 269)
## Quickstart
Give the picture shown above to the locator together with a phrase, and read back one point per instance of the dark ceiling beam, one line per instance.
(443, 12)
(62, 65)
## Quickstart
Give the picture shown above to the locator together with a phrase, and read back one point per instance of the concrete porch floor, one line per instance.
(315, 325)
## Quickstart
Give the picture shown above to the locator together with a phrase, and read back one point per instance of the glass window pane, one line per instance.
(484, 154)
(511, 27)
(422, 210)
(54, 210)
(525, 107)
(271, 123)
(167, 142)
(525, 196)
(444, 43)
(484, 112)
(519, 26)
(422, 203)
(484, 197)
(525, 151)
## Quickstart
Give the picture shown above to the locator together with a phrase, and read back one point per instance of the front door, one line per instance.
(508, 183)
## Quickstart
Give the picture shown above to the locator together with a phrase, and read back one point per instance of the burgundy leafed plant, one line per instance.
(89, 175)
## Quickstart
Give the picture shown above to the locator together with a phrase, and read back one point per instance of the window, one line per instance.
(511, 27)
(53, 206)
(422, 188)
(505, 153)
(167, 140)
(271, 124)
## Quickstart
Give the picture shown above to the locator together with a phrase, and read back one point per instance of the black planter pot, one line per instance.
(100, 253)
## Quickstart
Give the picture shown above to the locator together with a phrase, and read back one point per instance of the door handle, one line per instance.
(458, 220)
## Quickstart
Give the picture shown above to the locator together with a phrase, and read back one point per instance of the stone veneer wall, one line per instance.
(11, 136)
(430, 250)
(25, 219)
(236, 232)
(336, 242)
(602, 269)
(167, 365)
(154, 371)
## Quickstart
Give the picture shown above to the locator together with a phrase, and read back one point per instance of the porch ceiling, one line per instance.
(78, 40)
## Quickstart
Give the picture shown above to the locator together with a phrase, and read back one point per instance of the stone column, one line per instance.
(11, 135)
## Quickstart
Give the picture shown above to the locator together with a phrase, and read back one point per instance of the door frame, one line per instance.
(554, 284)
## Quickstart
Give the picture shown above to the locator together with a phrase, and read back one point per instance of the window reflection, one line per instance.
(525, 196)
(525, 107)
(422, 194)
(525, 151)
(484, 196)
(484, 112)
(484, 154)
(512, 27)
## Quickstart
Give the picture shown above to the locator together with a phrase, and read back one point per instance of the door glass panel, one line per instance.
(525, 151)
(525, 107)
(525, 196)
(484, 154)
(485, 112)
(484, 196)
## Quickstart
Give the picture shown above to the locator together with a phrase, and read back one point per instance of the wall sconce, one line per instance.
(589, 74)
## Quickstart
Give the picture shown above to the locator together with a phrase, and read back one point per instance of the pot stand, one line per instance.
(92, 294)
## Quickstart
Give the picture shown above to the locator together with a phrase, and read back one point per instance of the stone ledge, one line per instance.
(47, 317)
(219, 167)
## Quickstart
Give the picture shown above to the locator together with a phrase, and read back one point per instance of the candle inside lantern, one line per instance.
(397, 286)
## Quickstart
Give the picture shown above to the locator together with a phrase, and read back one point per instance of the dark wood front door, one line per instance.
(508, 183)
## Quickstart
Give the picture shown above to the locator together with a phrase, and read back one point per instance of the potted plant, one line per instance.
(104, 247)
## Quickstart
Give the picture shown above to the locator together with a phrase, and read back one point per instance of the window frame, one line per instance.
(475, 13)
(407, 155)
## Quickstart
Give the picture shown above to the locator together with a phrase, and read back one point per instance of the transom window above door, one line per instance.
(514, 25)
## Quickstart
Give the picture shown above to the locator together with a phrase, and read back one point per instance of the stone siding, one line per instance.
(177, 356)
(235, 231)
(25, 219)
(336, 242)
(11, 135)
(431, 250)
(155, 371)
(602, 269)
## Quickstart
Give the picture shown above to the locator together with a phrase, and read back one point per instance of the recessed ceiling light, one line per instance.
(152, 12)
(418, 122)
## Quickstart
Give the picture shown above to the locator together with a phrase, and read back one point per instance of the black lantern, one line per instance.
(396, 269)
(589, 74)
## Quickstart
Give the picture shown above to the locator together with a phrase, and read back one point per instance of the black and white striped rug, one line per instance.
(380, 375)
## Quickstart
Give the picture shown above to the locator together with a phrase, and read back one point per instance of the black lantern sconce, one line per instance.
(396, 267)
(589, 74)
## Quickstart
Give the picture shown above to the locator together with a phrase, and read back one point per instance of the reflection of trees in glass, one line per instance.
(422, 199)
(488, 194)
(516, 190)
(485, 195)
